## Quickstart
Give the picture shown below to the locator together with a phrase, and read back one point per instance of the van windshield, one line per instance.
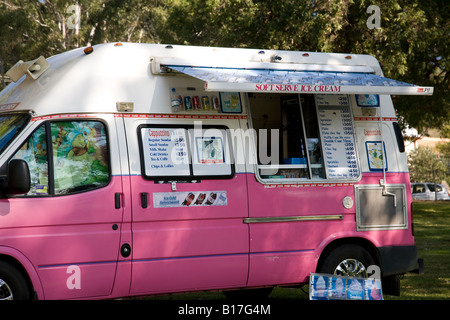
(10, 126)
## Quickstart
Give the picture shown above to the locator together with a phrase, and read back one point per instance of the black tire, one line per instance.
(13, 284)
(347, 260)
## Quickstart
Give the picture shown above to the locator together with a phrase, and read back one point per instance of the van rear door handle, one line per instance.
(144, 200)
(117, 203)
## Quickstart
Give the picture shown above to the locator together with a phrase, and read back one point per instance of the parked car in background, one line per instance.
(429, 191)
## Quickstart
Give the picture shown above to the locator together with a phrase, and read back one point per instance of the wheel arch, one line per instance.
(364, 243)
(22, 264)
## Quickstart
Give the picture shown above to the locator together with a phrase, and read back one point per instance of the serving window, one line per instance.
(185, 153)
(304, 136)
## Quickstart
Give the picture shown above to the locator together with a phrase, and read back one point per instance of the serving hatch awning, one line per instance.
(268, 80)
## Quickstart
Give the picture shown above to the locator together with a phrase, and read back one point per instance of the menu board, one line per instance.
(165, 151)
(338, 143)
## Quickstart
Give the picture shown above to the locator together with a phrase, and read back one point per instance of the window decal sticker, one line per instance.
(210, 150)
(376, 156)
(189, 199)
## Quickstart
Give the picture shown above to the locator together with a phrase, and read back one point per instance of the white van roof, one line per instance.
(76, 82)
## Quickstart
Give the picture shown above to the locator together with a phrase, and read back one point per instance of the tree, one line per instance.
(425, 165)
(412, 40)
(29, 29)
(444, 148)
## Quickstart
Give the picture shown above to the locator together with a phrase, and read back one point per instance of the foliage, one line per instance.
(445, 131)
(412, 41)
(424, 164)
(432, 231)
(444, 150)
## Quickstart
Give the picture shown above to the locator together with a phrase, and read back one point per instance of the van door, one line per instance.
(68, 224)
(296, 198)
(188, 207)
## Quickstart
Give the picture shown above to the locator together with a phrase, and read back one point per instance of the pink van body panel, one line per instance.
(181, 249)
(178, 249)
(63, 231)
(295, 247)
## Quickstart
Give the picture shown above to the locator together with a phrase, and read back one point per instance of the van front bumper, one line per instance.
(396, 260)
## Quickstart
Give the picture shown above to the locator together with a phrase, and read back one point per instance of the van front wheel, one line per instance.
(347, 260)
(13, 285)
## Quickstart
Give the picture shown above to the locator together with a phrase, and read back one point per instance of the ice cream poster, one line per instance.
(230, 102)
(355, 289)
(332, 287)
(372, 289)
(368, 100)
(376, 155)
(318, 287)
(210, 150)
(189, 199)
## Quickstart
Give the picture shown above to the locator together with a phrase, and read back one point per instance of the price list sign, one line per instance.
(165, 151)
(337, 136)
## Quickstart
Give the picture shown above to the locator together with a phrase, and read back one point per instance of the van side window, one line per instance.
(78, 158)
(35, 152)
(174, 152)
(10, 126)
(80, 155)
(303, 136)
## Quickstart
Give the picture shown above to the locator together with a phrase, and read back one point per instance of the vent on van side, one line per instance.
(375, 211)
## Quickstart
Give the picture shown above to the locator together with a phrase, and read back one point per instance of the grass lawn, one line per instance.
(432, 234)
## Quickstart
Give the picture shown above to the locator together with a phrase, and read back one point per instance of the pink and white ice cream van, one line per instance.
(137, 169)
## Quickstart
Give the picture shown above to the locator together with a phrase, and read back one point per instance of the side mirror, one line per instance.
(19, 181)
